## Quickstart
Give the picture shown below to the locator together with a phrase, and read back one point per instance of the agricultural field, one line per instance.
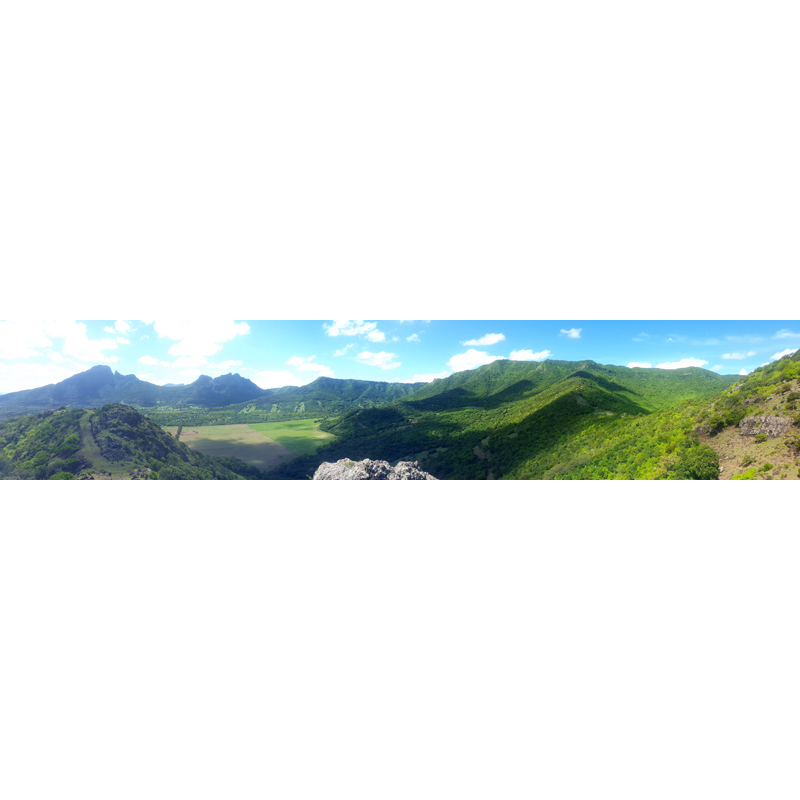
(301, 436)
(237, 441)
(264, 445)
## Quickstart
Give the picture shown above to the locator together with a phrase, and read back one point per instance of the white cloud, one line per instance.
(344, 349)
(190, 361)
(572, 333)
(486, 340)
(529, 355)
(152, 362)
(428, 378)
(271, 379)
(122, 326)
(349, 327)
(470, 360)
(413, 338)
(684, 362)
(717, 367)
(24, 375)
(122, 340)
(376, 336)
(21, 339)
(78, 345)
(382, 360)
(199, 338)
(109, 329)
(744, 372)
(787, 352)
(304, 364)
(145, 376)
(785, 333)
(229, 364)
(643, 364)
(739, 355)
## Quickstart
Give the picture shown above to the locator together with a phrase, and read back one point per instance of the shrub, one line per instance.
(793, 396)
(760, 437)
(699, 463)
(62, 476)
(747, 461)
(765, 468)
(745, 476)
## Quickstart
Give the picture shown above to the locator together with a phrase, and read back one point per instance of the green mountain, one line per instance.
(507, 420)
(323, 397)
(522, 420)
(114, 441)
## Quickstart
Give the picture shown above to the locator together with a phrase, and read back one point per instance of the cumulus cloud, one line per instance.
(152, 362)
(190, 361)
(24, 375)
(344, 349)
(272, 379)
(640, 364)
(24, 339)
(470, 360)
(199, 337)
(21, 339)
(431, 376)
(739, 355)
(744, 372)
(349, 327)
(376, 336)
(788, 352)
(529, 355)
(229, 364)
(305, 364)
(785, 333)
(684, 362)
(572, 333)
(486, 340)
(717, 367)
(413, 338)
(382, 360)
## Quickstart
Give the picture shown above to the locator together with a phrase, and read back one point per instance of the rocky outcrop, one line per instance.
(367, 470)
(771, 425)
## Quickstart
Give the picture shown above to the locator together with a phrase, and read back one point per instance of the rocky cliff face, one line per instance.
(367, 470)
(771, 425)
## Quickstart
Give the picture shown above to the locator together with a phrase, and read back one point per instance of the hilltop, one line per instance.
(114, 441)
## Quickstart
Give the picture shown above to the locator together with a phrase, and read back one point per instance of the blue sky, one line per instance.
(276, 353)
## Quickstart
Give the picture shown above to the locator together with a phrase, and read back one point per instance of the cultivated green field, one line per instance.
(237, 441)
(264, 445)
(301, 436)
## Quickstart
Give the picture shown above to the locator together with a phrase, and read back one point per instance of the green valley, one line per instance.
(507, 420)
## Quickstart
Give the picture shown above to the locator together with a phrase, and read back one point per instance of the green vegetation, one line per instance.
(303, 437)
(553, 420)
(114, 441)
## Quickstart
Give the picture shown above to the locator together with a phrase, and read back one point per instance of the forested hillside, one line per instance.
(115, 441)
(525, 420)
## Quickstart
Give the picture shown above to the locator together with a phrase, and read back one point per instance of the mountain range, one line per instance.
(101, 385)
(505, 420)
